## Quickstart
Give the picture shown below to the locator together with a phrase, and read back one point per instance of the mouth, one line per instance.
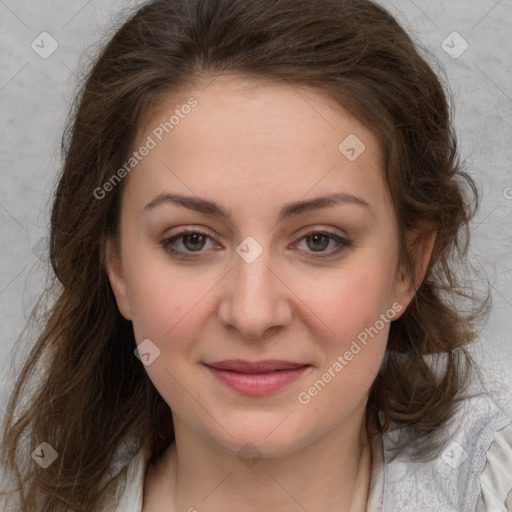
(256, 378)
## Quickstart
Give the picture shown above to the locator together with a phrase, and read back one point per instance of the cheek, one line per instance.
(342, 384)
(167, 303)
(351, 302)
(148, 291)
(357, 311)
(358, 315)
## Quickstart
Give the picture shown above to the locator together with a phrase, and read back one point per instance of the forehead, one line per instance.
(256, 138)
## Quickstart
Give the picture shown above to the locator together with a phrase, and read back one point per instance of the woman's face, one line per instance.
(267, 321)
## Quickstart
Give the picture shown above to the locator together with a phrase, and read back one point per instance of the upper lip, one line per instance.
(241, 366)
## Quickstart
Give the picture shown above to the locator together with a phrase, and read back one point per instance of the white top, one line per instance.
(472, 473)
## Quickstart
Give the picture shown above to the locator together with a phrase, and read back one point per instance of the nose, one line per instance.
(256, 299)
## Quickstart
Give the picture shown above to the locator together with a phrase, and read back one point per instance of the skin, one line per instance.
(254, 147)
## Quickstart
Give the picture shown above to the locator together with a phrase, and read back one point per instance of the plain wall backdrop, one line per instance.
(43, 45)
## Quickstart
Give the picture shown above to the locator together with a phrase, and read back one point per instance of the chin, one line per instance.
(273, 435)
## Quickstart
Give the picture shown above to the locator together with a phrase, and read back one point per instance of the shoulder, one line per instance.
(472, 468)
(496, 479)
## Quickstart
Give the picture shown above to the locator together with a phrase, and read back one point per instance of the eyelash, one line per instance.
(167, 244)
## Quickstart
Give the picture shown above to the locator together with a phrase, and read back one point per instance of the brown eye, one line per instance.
(194, 241)
(186, 243)
(318, 242)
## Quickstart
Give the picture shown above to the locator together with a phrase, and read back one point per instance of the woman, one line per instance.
(253, 235)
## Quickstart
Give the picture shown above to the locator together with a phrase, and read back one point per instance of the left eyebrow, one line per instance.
(208, 207)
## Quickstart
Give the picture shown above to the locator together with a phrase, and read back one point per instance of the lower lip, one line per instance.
(257, 383)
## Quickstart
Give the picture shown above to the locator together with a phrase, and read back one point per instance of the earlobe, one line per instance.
(113, 267)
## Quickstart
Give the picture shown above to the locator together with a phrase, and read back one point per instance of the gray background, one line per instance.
(35, 94)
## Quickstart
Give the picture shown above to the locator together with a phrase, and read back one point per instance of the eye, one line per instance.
(193, 241)
(318, 241)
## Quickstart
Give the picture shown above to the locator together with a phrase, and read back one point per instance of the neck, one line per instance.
(331, 474)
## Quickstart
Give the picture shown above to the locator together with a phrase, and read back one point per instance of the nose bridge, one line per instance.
(255, 300)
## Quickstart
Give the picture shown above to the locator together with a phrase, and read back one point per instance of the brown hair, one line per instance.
(92, 393)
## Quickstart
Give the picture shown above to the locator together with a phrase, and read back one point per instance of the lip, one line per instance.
(256, 378)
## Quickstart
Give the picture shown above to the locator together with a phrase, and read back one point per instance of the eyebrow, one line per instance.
(288, 210)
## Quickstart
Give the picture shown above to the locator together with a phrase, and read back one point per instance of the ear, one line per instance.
(420, 244)
(114, 269)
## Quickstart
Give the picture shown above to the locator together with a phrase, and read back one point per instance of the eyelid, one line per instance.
(188, 230)
(321, 228)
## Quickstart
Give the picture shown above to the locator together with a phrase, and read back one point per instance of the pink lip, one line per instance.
(258, 378)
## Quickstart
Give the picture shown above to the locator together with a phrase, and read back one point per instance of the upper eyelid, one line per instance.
(309, 232)
(315, 228)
